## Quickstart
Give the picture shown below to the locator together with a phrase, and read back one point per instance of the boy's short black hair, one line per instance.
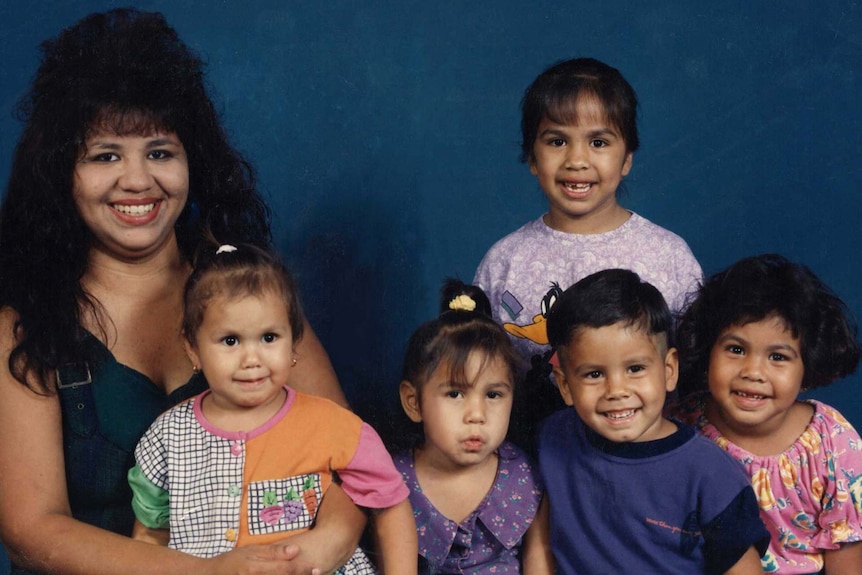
(606, 298)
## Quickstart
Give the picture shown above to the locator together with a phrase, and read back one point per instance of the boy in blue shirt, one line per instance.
(631, 491)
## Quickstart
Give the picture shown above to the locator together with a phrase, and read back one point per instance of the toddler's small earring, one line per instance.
(293, 362)
(195, 370)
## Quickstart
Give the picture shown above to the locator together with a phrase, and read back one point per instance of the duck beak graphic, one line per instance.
(536, 332)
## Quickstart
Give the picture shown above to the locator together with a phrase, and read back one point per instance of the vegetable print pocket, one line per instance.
(289, 504)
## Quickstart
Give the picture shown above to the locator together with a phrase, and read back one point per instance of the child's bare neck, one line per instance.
(764, 441)
(456, 491)
(598, 222)
(234, 419)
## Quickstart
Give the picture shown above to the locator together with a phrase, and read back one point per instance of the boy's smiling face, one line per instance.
(616, 377)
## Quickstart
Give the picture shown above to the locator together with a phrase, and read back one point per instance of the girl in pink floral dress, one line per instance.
(757, 334)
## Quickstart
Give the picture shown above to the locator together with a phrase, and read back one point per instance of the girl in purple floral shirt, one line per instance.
(474, 495)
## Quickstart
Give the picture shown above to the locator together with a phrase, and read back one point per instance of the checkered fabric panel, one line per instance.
(359, 564)
(205, 483)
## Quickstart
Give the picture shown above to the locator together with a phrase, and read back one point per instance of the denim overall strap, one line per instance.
(95, 467)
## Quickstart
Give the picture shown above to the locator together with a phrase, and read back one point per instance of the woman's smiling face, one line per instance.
(130, 190)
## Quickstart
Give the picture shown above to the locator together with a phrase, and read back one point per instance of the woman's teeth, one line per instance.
(135, 210)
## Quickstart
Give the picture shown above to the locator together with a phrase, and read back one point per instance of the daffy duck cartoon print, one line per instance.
(539, 397)
(537, 331)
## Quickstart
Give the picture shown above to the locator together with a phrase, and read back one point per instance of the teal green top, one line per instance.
(102, 423)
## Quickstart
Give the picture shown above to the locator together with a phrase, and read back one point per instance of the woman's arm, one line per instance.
(536, 555)
(141, 532)
(36, 525)
(846, 560)
(313, 372)
(396, 539)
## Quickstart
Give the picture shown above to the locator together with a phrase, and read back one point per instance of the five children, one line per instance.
(619, 486)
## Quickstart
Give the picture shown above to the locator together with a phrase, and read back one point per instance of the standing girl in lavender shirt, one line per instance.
(579, 135)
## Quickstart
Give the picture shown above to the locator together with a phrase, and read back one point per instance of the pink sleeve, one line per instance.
(839, 471)
(370, 479)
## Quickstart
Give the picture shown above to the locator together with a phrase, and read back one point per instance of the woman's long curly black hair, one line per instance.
(128, 72)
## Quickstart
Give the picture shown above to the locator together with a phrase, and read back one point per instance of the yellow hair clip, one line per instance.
(462, 303)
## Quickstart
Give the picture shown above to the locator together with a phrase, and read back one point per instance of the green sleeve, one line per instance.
(150, 503)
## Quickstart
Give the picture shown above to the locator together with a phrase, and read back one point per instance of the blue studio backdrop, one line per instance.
(385, 136)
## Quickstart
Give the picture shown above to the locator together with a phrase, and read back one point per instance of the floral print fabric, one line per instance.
(489, 540)
(810, 495)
